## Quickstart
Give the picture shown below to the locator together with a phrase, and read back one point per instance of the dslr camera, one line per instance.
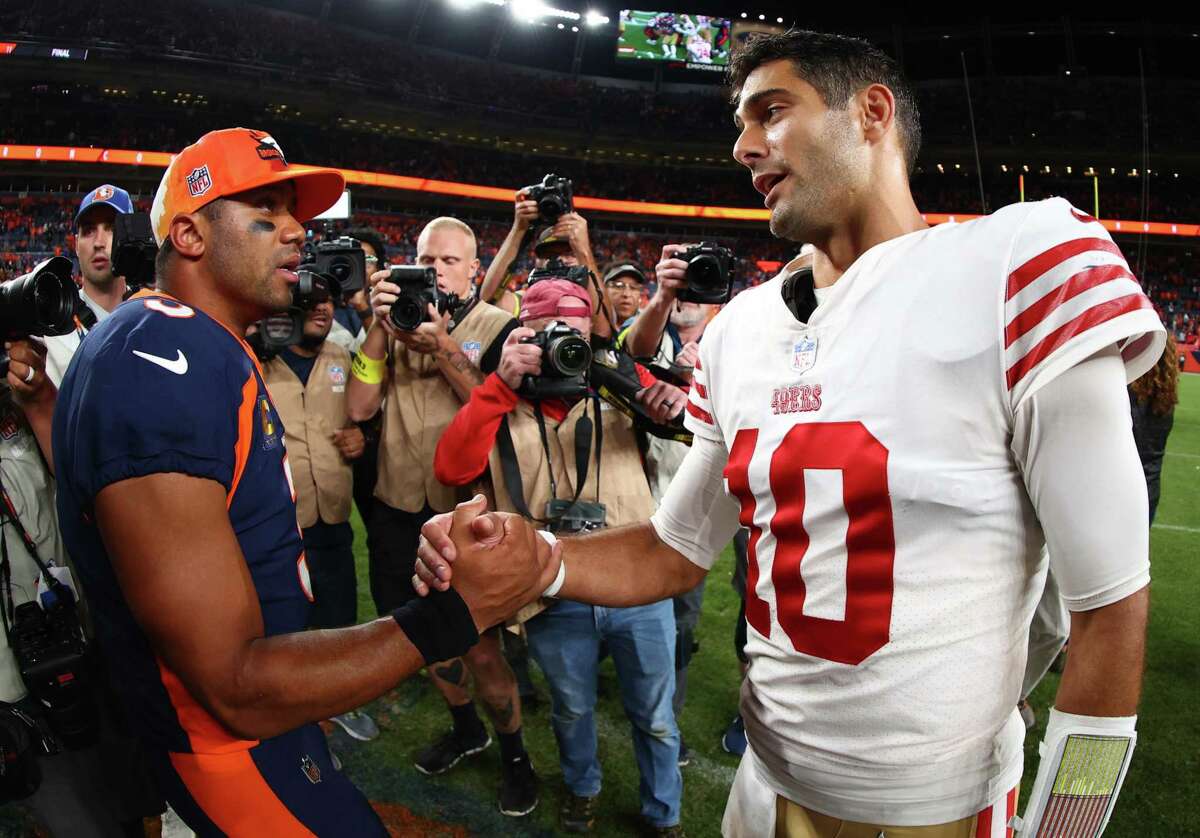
(418, 290)
(566, 359)
(134, 250)
(52, 655)
(40, 303)
(341, 260)
(709, 274)
(553, 197)
(557, 269)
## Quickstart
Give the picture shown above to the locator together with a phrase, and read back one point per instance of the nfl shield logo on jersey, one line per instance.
(310, 769)
(472, 349)
(199, 181)
(804, 354)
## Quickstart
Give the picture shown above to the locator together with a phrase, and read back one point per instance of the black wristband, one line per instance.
(440, 625)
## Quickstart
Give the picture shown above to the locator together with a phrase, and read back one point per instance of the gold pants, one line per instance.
(794, 821)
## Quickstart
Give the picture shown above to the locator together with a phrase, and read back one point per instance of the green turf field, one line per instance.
(1157, 797)
(1156, 800)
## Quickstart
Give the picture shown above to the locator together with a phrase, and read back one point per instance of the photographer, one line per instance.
(366, 471)
(71, 797)
(624, 283)
(101, 291)
(530, 445)
(308, 384)
(565, 238)
(426, 373)
(667, 334)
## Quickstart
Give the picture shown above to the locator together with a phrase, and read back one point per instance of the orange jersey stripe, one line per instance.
(235, 796)
(205, 734)
(245, 434)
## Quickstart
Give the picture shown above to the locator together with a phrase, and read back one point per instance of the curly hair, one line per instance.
(1160, 385)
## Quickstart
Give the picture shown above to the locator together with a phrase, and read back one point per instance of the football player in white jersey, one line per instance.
(902, 429)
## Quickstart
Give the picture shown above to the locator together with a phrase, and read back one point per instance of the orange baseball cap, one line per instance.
(232, 160)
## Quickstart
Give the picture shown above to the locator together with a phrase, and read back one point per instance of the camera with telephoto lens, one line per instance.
(41, 303)
(52, 655)
(709, 274)
(134, 250)
(563, 516)
(557, 269)
(552, 196)
(418, 290)
(566, 358)
(342, 260)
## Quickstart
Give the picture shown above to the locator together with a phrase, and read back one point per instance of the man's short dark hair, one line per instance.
(837, 66)
(373, 237)
(211, 211)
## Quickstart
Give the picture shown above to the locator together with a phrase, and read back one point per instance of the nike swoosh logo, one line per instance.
(179, 366)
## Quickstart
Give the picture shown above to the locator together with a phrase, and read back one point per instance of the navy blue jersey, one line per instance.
(160, 387)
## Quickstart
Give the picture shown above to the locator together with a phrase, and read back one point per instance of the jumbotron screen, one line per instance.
(673, 36)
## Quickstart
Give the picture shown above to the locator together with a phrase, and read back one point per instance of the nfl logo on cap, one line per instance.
(103, 193)
(199, 181)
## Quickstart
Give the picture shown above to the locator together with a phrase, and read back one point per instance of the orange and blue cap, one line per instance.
(107, 194)
(233, 160)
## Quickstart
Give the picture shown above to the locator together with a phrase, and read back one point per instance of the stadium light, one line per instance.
(594, 18)
(528, 11)
(762, 17)
(743, 15)
(779, 20)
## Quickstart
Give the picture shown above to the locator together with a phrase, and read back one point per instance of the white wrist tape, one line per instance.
(557, 584)
(1083, 763)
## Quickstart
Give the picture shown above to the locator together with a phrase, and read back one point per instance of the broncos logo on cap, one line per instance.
(102, 193)
(267, 148)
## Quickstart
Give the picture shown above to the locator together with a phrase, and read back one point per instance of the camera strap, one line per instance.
(10, 516)
(460, 313)
(510, 467)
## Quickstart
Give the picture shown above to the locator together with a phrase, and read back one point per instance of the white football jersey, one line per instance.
(894, 552)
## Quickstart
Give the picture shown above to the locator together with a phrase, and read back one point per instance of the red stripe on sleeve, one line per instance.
(698, 365)
(1091, 318)
(1056, 255)
(701, 390)
(1073, 287)
(463, 450)
(700, 413)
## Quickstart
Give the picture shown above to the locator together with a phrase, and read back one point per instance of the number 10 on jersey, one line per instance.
(870, 545)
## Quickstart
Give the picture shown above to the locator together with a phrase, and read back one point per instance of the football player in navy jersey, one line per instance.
(177, 503)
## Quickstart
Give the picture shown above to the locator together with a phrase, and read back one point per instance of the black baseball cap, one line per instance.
(624, 269)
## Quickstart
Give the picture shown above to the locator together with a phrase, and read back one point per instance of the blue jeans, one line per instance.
(565, 641)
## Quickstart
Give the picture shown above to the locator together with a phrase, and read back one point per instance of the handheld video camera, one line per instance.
(418, 290)
(341, 260)
(40, 303)
(557, 269)
(553, 197)
(286, 328)
(134, 250)
(52, 655)
(566, 358)
(709, 274)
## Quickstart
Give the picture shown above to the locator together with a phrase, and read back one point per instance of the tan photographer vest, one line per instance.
(623, 488)
(311, 414)
(418, 406)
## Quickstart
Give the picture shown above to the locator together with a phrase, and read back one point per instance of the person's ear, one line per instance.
(187, 239)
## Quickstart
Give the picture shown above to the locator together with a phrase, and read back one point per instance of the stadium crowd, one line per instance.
(1011, 113)
(33, 227)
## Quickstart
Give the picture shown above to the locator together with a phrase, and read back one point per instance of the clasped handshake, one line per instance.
(496, 561)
